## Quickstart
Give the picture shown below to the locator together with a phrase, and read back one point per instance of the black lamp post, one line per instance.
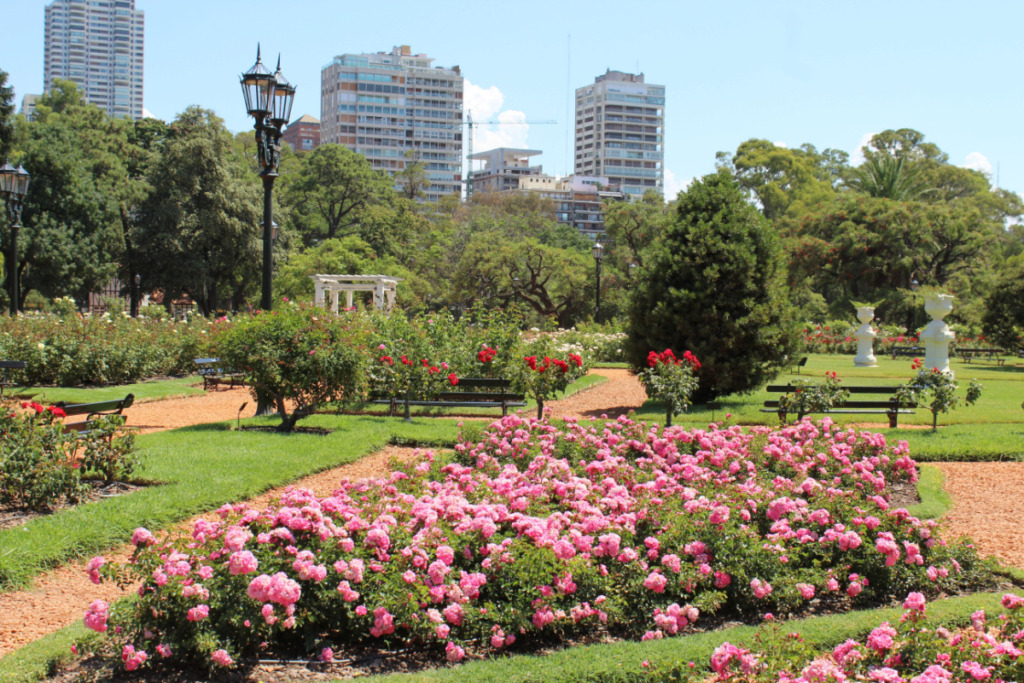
(598, 257)
(136, 282)
(13, 188)
(268, 99)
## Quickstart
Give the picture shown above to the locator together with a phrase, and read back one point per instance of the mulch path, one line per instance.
(988, 503)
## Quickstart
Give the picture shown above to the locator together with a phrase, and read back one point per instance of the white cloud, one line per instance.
(857, 157)
(978, 162)
(673, 186)
(147, 114)
(485, 104)
(783, 145)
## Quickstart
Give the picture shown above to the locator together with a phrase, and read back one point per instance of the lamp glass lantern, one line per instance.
(282, 99)
(598, 251)
(258, 87)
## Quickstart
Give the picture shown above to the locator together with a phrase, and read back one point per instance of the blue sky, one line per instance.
(827, 72)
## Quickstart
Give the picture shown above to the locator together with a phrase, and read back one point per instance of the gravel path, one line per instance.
(988, 498)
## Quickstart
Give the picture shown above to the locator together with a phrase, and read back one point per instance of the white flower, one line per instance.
(40, 346)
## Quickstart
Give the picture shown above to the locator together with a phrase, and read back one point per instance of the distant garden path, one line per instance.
(988, 498)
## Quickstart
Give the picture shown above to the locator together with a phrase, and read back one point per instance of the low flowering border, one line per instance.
(905, 652)
(538, 534)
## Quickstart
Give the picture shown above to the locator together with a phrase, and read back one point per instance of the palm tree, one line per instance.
(888, 178)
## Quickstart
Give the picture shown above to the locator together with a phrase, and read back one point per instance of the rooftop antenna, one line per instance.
(568, 96)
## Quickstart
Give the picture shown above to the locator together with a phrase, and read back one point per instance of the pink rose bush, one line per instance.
(538, 533)
(909, 652)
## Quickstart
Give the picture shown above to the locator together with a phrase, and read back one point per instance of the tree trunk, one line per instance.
(540, 409)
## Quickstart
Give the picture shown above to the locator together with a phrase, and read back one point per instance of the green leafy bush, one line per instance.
(76, 350)
(713, 283)
(812, 397)
(38, 463)
(37, 459)
(298, 356)
(670, 380)
(938, 390)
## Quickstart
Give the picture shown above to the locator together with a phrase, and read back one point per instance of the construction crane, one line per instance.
(469, 146)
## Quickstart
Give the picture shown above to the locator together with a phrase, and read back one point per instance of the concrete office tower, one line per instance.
(98, 44)
(620, 128)
(395, 108)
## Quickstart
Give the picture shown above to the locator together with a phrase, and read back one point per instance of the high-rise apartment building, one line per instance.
(620, 128)
(395, 108)
(98, 44)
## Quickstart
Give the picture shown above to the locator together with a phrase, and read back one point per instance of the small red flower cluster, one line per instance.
(406, 361)
(486, 355)
(831, 375)
(577, 359)
(453, 379)
(387, 360)
(917, 364)
(667, 357)
(53, 410)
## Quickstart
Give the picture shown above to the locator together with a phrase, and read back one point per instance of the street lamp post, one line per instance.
(136, 282)
(598, 257)
(268, 99)
(13, 188)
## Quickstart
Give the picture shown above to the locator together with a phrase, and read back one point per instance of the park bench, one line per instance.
(801, 363)
(890, 407)
(991, 354)
(906, 352)
(7, 366)
(470, 392)
(214, 373)
(91, 411)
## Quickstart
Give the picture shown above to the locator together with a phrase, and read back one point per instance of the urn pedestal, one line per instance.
(865, 338)
(937, 336)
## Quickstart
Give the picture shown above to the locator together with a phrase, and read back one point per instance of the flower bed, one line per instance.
(86, 350)
(539, 534)
(908, 651)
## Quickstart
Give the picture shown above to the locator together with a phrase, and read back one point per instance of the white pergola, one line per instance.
(384, 288)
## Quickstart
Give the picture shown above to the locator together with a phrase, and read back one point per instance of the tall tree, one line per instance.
(331, 189)
(632, 226)
(889, 177)
(714, 285)
(6, 115)
(197, 231)
(782, 180)
(71, 238)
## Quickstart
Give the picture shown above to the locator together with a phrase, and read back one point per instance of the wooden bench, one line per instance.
(991, 354)
(470, 392)
(906, 352)
(7, 366)
(890, 407)
(91, 411)
(214, 374)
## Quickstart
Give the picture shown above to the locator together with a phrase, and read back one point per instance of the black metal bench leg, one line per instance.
(893, 417)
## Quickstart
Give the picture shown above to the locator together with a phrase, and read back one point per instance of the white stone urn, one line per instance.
(865, 338)
(937, 336)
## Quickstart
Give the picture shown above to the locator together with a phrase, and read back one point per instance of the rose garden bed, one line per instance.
(535, 535)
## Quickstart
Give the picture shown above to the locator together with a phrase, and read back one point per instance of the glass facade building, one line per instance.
(99, 45)
(395, 108)
(620, 128)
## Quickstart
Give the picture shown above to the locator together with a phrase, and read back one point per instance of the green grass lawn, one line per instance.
(144, 391)
(203, 467)
(992, 429)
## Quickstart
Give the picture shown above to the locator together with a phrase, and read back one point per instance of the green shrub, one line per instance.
(713, 283)
(76, 350)
(670, 380)
(37, 459)
(303, 356)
